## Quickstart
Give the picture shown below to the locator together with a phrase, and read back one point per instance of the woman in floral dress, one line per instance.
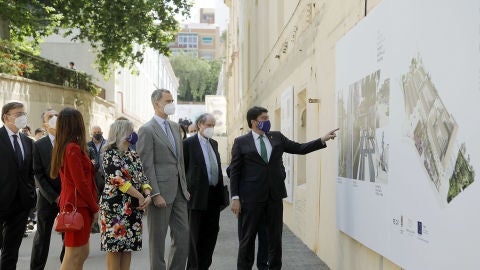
(124, 198)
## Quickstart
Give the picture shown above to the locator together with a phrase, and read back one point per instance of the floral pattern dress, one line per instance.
(121, 224)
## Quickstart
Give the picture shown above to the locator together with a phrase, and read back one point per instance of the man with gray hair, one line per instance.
(49, 195)
(161, 151)
(205, 182)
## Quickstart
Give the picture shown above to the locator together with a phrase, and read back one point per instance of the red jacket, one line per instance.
(78, 172)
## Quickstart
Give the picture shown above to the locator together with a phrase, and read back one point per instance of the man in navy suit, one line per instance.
(257, 184)
(17, 192)
(205, 184)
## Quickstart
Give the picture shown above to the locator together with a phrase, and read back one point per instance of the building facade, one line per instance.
(281, 55)
(130, 91)
(200, 40)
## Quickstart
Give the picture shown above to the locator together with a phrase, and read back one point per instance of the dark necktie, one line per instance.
(18, 151)
(263, 150)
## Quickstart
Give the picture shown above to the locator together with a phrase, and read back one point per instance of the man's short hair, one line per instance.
(43, 114)
(158, 94)
(38, 130)
(10, 106)
(202, 119)
(253, 113)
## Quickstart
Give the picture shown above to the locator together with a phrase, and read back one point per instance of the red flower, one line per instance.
(117, 181)
(103, 223)
(119, 230)
(125, 172)
(128, 209)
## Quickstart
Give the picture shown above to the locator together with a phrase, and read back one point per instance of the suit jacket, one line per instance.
(251, 178)
(77, 173)
(17, 185)
(197, 176)
(95, 155)
(160, 164)
(42, 157)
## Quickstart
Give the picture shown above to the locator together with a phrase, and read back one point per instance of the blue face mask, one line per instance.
(132, 138)
(264, 125)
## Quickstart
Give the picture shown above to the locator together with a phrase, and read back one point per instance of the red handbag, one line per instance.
(69, 221)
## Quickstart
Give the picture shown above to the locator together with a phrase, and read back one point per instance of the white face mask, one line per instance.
(53, 122)
(208, 132)
(169, 109)
(21, 122)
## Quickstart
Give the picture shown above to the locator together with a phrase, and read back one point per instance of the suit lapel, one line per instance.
(26, 148)
(161, 134)
(6, 140)
(251, 145)
(199, 153)
(48, 148)
(176, 136)
(274, 141)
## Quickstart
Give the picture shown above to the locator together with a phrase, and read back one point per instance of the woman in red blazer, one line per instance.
(70, 160)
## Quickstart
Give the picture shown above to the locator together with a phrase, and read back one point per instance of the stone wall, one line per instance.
(38, 96)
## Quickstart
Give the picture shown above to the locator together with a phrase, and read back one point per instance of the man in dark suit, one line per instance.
(257, 184)
(17, 192)
(47, 202)
(205, 183)
(94, 151)
(262, 250)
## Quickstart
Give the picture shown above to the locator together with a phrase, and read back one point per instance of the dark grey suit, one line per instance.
(164, 167)
(17, 196)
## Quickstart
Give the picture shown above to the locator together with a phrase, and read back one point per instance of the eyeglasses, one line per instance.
(17, 114)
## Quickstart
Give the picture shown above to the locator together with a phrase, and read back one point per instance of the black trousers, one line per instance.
(13, 222)
(46, 214)
(251, 218)
(204, 227)
(262, 251)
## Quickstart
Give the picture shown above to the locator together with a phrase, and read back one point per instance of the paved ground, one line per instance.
(295, 254)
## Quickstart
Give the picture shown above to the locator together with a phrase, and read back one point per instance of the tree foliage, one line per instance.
(119, 30)
(197, 77)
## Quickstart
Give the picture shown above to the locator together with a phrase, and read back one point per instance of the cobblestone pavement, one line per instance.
(296, 255)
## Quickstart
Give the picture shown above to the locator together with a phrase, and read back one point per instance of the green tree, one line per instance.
(119, 31)
(197, 77)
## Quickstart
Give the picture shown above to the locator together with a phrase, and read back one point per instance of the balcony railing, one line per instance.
(20, 63)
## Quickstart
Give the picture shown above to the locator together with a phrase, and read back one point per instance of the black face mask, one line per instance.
(97, 137)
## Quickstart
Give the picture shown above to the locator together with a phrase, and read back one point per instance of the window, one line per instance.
(207, 55)
(207, 40)
(187, 40)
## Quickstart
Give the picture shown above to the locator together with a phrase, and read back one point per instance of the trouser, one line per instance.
(204, 227)
(14, 223)
(250, 220)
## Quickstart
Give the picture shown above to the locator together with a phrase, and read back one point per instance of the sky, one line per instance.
(221, 12)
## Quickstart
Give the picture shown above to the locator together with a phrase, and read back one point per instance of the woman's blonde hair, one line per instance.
(119, 131)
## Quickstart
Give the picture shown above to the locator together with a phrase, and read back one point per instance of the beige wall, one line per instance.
(276, 44)
(38, 96)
